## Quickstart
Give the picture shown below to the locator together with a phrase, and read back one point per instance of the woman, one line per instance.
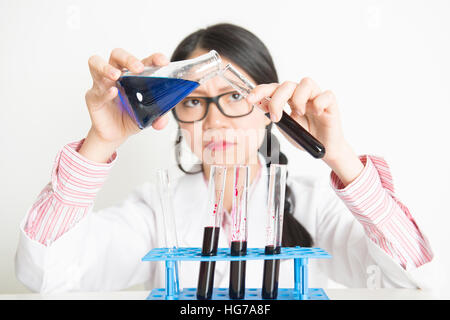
(65, 246)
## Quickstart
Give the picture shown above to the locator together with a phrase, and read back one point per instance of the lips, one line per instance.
(219, 145)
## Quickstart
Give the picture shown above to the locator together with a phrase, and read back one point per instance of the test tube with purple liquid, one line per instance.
(216, 188)
(238, 245)
(274, 229)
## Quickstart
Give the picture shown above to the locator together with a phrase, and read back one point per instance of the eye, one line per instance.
(235, 96)
(191, 103)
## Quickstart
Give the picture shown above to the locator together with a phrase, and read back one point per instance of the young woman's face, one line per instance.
(218, 139)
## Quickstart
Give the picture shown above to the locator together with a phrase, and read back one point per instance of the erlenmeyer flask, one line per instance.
(153, 92)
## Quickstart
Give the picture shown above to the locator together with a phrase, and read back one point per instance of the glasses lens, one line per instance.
(190, 109)
(234, 104)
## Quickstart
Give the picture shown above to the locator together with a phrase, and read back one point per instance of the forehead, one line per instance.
(213, 87)
(216, 85)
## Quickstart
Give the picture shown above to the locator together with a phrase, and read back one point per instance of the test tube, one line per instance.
(286, 124)
(274, 229)
(211, 232)
(238, 245)
(170, 232)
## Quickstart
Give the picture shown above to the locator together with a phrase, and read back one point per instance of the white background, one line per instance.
(386, 61)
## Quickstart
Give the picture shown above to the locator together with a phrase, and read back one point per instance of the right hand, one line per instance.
(110, 125)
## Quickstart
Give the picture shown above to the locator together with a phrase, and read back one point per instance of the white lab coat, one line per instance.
(103, 251)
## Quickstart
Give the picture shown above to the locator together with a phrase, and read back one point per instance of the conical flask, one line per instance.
(150, 94)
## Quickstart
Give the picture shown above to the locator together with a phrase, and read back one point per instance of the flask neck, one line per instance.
(199, 69)
(204, 67)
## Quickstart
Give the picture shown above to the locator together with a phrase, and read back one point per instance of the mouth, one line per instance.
(219, 145)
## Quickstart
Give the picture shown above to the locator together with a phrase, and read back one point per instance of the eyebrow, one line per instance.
(221, 90)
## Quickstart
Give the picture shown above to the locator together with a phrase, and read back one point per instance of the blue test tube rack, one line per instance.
(300, 255)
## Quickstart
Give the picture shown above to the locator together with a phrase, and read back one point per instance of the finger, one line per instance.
(306, 90)
(156, 59)
(260, 95)
(99, 69)
(122, 59)
(326, 101)
(97, 98)
(302, 120)
(161, 122)
(279, 99)
(262, 91)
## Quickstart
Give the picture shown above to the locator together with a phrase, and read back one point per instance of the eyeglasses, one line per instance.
(230, 104)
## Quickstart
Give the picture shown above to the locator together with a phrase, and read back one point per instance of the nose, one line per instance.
(215, 119)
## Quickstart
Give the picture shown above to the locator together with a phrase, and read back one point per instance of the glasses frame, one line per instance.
(210, 100)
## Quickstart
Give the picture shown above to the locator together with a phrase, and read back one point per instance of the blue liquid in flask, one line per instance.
(147, 98)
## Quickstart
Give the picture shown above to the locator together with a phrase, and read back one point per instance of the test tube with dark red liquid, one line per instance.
(287, 124)
(211, 232)
(238, 245)
(274, 228)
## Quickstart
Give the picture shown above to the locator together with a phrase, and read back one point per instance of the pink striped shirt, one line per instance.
(386, 221)
(75, 181)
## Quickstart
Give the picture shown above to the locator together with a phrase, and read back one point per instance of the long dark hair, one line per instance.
(247, 51)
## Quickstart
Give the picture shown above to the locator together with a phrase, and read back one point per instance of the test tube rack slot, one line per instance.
(299, 255)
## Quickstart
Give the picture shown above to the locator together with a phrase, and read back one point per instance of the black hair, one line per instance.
(247, 51)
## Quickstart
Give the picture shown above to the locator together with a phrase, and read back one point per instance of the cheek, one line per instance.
(248, 132)
(252, 130)
(192, 136)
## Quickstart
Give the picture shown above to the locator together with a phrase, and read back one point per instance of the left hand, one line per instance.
(313, 109)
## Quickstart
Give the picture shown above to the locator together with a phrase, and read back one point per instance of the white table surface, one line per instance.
(333, 294)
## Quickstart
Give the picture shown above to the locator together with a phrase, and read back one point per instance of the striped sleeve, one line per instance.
(69, 196)
(386, 221)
